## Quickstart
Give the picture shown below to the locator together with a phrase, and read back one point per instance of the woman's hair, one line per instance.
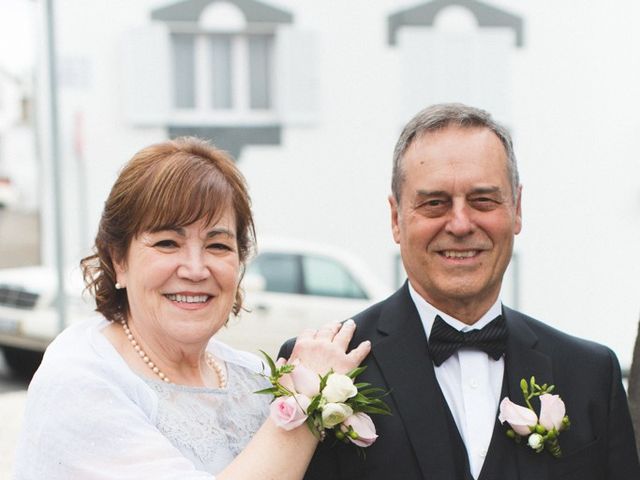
(164, 186)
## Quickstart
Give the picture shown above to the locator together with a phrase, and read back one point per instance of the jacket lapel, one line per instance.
(522, 360)
(402, 356)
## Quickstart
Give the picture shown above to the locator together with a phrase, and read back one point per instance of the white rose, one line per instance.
(536, 441)
(335, 413)
(339, 387)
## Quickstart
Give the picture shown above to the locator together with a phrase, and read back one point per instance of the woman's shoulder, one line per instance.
(82, 359)
(239, 357)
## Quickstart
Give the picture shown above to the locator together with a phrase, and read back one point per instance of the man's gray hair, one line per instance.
(440, 116)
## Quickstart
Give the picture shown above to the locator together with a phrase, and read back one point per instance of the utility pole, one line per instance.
(55, 165)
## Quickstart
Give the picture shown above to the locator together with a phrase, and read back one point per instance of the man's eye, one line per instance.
(484, 202)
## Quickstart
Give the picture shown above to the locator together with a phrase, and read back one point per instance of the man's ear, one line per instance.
(395, 227)
(518, 220)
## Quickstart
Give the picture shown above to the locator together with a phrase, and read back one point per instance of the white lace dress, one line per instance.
(89, 416)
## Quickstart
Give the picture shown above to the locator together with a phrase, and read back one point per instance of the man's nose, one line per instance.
(193, 266)
(460, 222)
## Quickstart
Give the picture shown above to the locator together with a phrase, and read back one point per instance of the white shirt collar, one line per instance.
(428, 314)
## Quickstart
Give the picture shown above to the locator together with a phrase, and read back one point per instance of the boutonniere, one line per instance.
(540, 432)
(331, 402)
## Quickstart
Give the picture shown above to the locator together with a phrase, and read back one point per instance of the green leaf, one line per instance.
(313, 406)
(272, 365)
(355, 372)
(378, 410)
(271, 390)
(360, 386)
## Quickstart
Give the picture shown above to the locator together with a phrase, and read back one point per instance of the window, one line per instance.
(327, 278)
(281, 272)
(222, 73)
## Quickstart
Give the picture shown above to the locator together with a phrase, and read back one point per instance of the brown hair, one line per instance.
(167, 185)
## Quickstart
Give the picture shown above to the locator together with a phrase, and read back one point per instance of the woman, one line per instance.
(144, 391)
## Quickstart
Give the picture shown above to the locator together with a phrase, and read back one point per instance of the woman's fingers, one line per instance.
(328, 331)
(325, 349)
(358, 354)
(345, 334)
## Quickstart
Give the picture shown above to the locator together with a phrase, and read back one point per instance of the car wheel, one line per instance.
(22, 362)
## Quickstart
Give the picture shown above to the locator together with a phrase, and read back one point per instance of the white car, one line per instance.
(293, 285)
(28, 313)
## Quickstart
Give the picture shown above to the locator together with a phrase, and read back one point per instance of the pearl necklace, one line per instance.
(209, 360)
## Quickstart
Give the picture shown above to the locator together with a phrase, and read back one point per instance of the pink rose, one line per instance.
(364, 428)
(305, 381)
(290, 412)
(520, 418)
(552, 411)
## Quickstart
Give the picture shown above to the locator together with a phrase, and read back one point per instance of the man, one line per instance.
(455, 209)
(634, 389)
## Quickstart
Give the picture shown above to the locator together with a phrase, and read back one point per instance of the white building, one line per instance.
(310, 97)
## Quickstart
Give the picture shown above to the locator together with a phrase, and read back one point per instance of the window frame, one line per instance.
(240, 112)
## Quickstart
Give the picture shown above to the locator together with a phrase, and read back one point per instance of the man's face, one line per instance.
(456, 219)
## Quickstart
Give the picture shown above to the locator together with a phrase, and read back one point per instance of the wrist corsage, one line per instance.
(324, 402)
(540, 432)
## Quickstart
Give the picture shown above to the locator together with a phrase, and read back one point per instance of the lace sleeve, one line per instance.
(83, 428)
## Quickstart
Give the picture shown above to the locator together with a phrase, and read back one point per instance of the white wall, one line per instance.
(574, 114)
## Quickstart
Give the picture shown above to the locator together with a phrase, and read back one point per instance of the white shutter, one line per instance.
(147, 73)
(471, 67)
(297, 76)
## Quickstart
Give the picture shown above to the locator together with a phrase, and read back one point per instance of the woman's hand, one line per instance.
(325, 349)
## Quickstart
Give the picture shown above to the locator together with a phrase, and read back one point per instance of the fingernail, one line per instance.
(350, 322)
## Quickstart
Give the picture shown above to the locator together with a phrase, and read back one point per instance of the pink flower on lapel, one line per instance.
(552, 411)
(520, 418)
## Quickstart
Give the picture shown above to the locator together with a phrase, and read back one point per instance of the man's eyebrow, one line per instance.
(486, 190)
(431, 193)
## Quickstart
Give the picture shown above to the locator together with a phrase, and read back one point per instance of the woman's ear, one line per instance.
(120, 269)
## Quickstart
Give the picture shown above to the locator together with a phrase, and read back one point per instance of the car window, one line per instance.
(280, 271)
(326, 277)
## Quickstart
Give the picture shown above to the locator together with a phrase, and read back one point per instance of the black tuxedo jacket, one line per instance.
(420, 440)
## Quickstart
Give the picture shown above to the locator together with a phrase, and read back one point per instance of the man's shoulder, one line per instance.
(366, 320)
(553, 340)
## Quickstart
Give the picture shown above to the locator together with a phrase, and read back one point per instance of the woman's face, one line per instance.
(181, 283)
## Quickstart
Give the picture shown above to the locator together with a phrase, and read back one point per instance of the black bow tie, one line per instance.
(445, 340)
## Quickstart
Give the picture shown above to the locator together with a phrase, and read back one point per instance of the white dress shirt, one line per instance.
(471, 382)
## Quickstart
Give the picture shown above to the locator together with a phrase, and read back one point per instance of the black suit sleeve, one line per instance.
(622, 453)
(286, 348)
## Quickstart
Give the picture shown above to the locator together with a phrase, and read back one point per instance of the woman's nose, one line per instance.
(193, 266)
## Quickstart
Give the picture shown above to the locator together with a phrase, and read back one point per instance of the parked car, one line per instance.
(293, 285)
(29, 316)
(289, 286)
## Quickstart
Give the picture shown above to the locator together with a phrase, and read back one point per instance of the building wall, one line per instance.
(571, 105)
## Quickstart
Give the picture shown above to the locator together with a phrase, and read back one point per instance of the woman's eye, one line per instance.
(219, 246)
(165, 244)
